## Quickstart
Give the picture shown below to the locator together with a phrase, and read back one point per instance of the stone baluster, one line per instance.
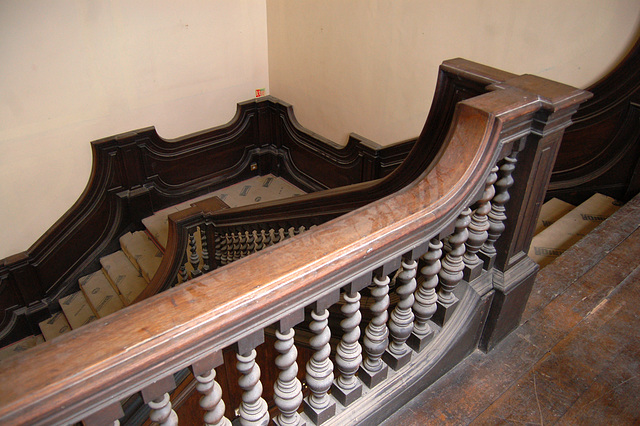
(478, 229)
(376, 335)
(205, 249)
(211, 401)
(497, 214)
(287, 388)
(398, 354)
(424, 306)
(194, 258)
(319, 406)
(452, 266)
(157, 397)
(347, 388)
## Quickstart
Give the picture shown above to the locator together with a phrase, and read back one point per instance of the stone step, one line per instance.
(123, 276)
(100, 294)
(142, 252)
(570, 228)
(54, 326)
(551, 211)
(77, 310)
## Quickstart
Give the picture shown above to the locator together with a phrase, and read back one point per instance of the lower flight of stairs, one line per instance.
(561, 225)
(126, 273)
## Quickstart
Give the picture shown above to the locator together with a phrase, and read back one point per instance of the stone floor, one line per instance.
(575, 359)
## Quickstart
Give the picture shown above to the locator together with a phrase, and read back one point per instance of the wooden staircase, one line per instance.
(463, 205)
(126, 272)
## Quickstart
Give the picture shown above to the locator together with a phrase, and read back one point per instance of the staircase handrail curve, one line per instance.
(116, 356)
(458, 79)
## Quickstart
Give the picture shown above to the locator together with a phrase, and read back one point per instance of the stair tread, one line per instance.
(54, 326)
(123, 276)
(100, 294)
(77, 310)
(142, 253)
(570, 228)
(551, 212)
(257, 189)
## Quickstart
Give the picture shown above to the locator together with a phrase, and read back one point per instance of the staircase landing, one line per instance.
(575, 359)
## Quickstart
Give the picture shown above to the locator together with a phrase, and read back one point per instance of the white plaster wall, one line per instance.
(77, 70)
(369, 66)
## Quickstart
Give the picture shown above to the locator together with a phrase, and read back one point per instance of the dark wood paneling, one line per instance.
(600, 152)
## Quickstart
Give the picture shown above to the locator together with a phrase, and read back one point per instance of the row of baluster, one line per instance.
(389, 340)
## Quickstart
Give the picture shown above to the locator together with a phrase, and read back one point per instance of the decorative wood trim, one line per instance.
(600, 152)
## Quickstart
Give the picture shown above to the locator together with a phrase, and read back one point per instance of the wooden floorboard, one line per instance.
(575, 359)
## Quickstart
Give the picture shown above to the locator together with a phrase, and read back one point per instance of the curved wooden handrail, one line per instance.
(111, 358)
(457, 80)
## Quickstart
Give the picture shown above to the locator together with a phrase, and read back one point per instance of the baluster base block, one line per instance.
(348, 396)
(372, 379)
(487, 259)
(418, 343)
(319, 416)
(471, 272)
(396, 362)
(444, 312)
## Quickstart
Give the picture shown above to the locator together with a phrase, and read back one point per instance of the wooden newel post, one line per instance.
(514, 272)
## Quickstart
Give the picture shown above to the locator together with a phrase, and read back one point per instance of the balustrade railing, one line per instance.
(440, 261)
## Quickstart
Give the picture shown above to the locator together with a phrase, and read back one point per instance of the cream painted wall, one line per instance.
(369, 66)
(78, 70)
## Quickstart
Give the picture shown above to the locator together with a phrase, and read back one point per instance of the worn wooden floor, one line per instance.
(575, 359)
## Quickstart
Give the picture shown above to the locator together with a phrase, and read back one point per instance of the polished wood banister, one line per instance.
(172, 330)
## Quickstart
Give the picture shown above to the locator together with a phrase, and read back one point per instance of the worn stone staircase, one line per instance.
(126, 272)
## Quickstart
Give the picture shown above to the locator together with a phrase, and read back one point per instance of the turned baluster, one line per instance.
(452, 265)
(224, 249)
(347, 388)
(205, 250)
(156, 396)
(376, 335)
(319, 406)
(497, 214)
(478, 229)
(424, 306)
(400, 326)
(218, 249)
(253, 408)
(194, 258)
(161, 411)
(236, 246)
(287, 388)
(244, 244)
(258, 237)
(251, 242)
(182, 272)
(268, 237)
(211, 400)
